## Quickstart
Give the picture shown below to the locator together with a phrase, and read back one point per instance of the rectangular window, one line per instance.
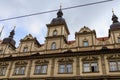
(114, 66)
(86, 67)
(65, 68)
(90, 67)
(118, 40)
(2, 71)
(19, 70)
(25, 49)
(40, 69)
(85, 43)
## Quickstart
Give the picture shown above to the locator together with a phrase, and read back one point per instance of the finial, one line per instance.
(60, 5)
(113, 11)
(14, 27)
(59, 13)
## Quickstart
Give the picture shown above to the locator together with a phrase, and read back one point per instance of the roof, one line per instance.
(103, 38)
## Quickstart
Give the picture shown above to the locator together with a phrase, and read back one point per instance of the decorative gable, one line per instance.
(84, 29)
(27, 37)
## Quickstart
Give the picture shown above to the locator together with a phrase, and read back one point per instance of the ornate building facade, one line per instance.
(85, 58)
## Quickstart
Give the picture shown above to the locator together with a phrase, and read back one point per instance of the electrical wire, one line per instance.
(56, 10)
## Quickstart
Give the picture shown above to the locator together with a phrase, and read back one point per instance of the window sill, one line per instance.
(40, 73)
(2, 75)
(91, 72)
(18, 74)
(66, 73)
(114, 71)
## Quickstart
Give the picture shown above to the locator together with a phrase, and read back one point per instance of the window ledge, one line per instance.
(91, 72)
(66, 73)
(114, 71)
(18, 74)
(40, 73)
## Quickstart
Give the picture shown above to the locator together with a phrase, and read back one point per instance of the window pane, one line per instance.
(118, 40)
(113, 66)
(119, 66)
(94, 67)
(25, 49)
(62, 68)
(37, 69)
(69, 68)
(4, 70)
(53, 45)
(22, 70)
(54, 32)
(85, 43)
(44, 69)
(16, 70)
(86, 67)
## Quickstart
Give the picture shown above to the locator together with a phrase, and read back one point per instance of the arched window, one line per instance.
(53, 46)
(54, 32)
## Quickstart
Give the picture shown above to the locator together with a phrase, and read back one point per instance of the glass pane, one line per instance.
(69, 68)
(25, 49)
(94, 67)
(113, 66)
(119, 66)
(62, 68)
(37, 69)
(86, 67)
(53, 45)
(44, 69)
(4, 70)
(16, 70)
(118, 40)
(85, 43)
(22, 70)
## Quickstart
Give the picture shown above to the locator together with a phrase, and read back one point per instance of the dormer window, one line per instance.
(25, 49)
(118, 40)
(53, 46)
(54, 32)
(85, 43)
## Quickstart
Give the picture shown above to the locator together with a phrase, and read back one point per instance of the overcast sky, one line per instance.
(96, 17)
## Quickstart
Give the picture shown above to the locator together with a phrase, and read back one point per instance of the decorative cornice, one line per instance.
(4, 64)
(113, 56)
(90, 58)
(42, 61)
(65, 60)
(21, 63)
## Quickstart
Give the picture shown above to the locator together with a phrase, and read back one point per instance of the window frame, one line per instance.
(53, 45)
(118, 39)
(25, 49)
(55, 32)
(1, 70)
(19, 69)
(90, 67)
(84, 43)
(65, 68)
(41, 69)
(117, 66)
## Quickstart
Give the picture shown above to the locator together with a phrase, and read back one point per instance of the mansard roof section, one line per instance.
(29, 37)
(84, 30)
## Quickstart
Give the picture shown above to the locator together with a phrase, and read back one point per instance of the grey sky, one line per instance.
(96, 17)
